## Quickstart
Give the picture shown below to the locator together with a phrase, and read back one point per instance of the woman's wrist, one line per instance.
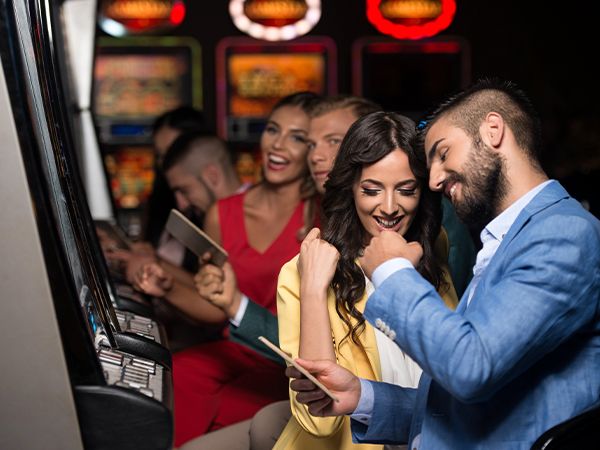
(312, 293)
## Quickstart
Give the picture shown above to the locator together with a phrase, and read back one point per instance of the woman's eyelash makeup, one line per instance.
(408, 192)
(369, 191)
(402, 191)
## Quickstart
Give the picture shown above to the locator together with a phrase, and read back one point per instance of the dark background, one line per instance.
(548, 48)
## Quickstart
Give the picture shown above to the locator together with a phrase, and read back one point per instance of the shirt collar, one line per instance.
(502, 223)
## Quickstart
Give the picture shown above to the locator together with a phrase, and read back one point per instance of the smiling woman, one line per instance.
(223, 382)
(379, 178)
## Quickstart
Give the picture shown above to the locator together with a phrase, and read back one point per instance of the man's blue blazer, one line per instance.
(521, 358)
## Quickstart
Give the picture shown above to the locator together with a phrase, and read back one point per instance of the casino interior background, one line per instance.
(85, 365)
(545, 49)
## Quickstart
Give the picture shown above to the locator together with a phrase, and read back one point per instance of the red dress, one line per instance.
(221, 383)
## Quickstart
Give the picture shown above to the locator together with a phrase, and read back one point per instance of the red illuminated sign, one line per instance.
(125, 17)
(411, 29)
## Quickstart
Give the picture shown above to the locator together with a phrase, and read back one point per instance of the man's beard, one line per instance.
(484, 186)
(196, 215)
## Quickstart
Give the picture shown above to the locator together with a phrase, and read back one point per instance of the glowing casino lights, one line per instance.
(275, 20)
(411, 19)
(125, 17)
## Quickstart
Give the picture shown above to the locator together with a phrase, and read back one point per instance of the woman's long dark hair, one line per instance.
(368, 140)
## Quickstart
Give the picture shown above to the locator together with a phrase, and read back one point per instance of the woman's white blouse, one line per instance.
(396, 366)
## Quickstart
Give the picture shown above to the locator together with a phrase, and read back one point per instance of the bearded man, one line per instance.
(521, 352)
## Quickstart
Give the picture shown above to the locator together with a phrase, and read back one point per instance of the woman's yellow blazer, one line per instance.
(304, 431)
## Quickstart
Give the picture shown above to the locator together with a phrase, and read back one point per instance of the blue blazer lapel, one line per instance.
(548, 196)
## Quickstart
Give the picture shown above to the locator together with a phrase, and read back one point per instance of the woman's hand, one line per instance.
(219, 286)
(151, 279)
(317, 262)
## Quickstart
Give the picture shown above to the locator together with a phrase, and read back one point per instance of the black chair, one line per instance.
(581, 432)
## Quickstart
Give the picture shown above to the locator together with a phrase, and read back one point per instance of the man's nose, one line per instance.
(317, 154)
(181, 201)
(436, 177)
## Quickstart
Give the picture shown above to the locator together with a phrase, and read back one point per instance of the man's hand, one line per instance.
(386, 246)
(343, 383)
(219, 286)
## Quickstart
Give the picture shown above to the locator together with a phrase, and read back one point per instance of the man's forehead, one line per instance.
(429, 135)
(438, 129)
(435, 136)
(178, 174)
(334, 121)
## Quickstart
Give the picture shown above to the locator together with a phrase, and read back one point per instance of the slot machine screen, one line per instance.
(253, 77)
(409, 77)
(131, 173)
(133, 84)
(138, 86)
(134, 81)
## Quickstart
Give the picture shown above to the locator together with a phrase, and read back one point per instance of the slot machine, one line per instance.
(136, 79)
(132, 310)
(110, 385)
(75, 46)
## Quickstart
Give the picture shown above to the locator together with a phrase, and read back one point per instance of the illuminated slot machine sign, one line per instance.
(135, 81)
(409, 77)
(252, 77)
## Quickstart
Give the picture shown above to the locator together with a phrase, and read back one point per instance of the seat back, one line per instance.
(581, 432)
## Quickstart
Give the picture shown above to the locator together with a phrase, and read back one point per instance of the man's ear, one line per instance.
(211, 175)
(493, 129)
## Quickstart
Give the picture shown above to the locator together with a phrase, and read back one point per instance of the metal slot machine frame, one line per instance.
(50, 56)
(80, 297)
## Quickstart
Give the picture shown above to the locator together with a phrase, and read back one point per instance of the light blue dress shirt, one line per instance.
(239, 315)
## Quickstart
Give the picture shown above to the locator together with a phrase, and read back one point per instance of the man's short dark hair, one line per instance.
(183, 118)
(185, 144)
(468, 108)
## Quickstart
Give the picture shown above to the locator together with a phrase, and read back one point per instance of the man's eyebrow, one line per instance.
(433, 148)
